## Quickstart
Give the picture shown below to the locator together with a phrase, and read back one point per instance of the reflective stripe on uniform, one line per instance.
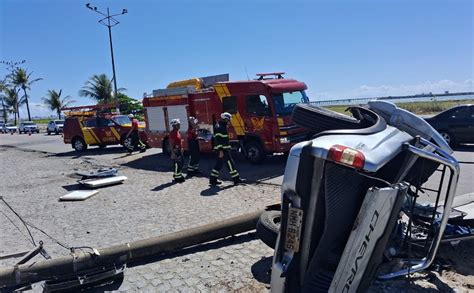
(230, 166)
(235, 175)
(220, 135)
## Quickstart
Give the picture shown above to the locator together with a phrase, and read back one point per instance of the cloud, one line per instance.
(368, 91)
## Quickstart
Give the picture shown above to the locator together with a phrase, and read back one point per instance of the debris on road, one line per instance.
(78, 195)
(96, 173)
(94, 183)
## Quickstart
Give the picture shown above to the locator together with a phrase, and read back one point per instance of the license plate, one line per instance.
(293, 229)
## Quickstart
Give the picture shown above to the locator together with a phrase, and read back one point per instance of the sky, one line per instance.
(340, 49)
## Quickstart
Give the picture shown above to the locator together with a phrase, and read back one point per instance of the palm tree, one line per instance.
(55, 103)
(3, 86)
(99, 87)
(13, 102)
(22, 79)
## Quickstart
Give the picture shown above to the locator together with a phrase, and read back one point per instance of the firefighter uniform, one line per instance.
(176, 145)
(221, 143)
(194, 151)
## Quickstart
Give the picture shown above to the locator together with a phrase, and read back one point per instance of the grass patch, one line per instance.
(419, 108)
(42, 120)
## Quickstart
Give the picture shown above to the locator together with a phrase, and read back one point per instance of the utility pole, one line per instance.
(11, 67)
(109, 21)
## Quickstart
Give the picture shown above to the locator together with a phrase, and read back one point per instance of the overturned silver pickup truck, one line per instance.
(352, 200)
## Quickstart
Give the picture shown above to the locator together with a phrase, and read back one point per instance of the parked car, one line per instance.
(9, 128)
(55, 126)
(456, 124)
(28, 126)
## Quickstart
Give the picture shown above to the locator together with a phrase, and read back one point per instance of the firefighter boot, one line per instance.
(239, 180)
(214, 181)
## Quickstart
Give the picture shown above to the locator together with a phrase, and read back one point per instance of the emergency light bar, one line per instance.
(277, 75)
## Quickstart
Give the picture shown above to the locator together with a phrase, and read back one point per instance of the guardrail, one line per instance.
(395, 99)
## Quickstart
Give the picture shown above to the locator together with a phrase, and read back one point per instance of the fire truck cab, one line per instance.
(261, 112)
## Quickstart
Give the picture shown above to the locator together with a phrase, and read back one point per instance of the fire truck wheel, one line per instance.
(317, 119)
(268, 227)
(127, 143)
(254, 152)
(78, 144)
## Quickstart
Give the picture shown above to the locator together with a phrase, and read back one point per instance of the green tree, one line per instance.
(129, 105)
(20, 78)
(99, 87)
(13, 102)
(55, 103)
(3, 87)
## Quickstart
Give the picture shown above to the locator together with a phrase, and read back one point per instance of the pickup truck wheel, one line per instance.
(317, 119)
(254, 152)
(49, 132)
(268, 227)
(78, 144)
(56, 132)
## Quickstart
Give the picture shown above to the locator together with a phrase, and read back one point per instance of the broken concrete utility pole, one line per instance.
(80, 261)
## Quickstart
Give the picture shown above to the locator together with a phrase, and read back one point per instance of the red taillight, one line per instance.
(347, 156)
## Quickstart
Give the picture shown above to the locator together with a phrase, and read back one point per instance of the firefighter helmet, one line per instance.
(130, 116)
(226, 116)
(193, 120)
(175, 122)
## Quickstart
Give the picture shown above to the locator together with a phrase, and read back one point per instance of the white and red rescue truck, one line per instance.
(261, 112)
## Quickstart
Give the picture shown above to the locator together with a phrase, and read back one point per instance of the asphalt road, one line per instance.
(270, 172)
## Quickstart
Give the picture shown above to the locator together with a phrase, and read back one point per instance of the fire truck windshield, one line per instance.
(285, 102)
(122, 120)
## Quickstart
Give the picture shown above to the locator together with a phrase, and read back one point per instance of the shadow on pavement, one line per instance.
(214, 190)
(272, 167)
(262, 270)
(94, 151)
(72, 187)
(164, 186)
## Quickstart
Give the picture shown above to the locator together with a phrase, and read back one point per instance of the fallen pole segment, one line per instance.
(81, 261)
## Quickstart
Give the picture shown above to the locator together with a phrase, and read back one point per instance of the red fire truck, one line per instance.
(261, 112)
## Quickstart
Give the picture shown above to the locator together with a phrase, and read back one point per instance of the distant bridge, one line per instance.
(398, 99)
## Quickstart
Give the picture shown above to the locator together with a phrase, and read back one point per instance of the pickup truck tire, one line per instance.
(49, 132)
(268, 227)
(78, 144)
(317, 119)
(254, 152)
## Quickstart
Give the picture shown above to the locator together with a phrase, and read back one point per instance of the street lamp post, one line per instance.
(109, 21)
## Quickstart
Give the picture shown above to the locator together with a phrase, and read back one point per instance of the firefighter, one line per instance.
(223, 150)
(193, 146)
(176, 148)
(133, 133)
